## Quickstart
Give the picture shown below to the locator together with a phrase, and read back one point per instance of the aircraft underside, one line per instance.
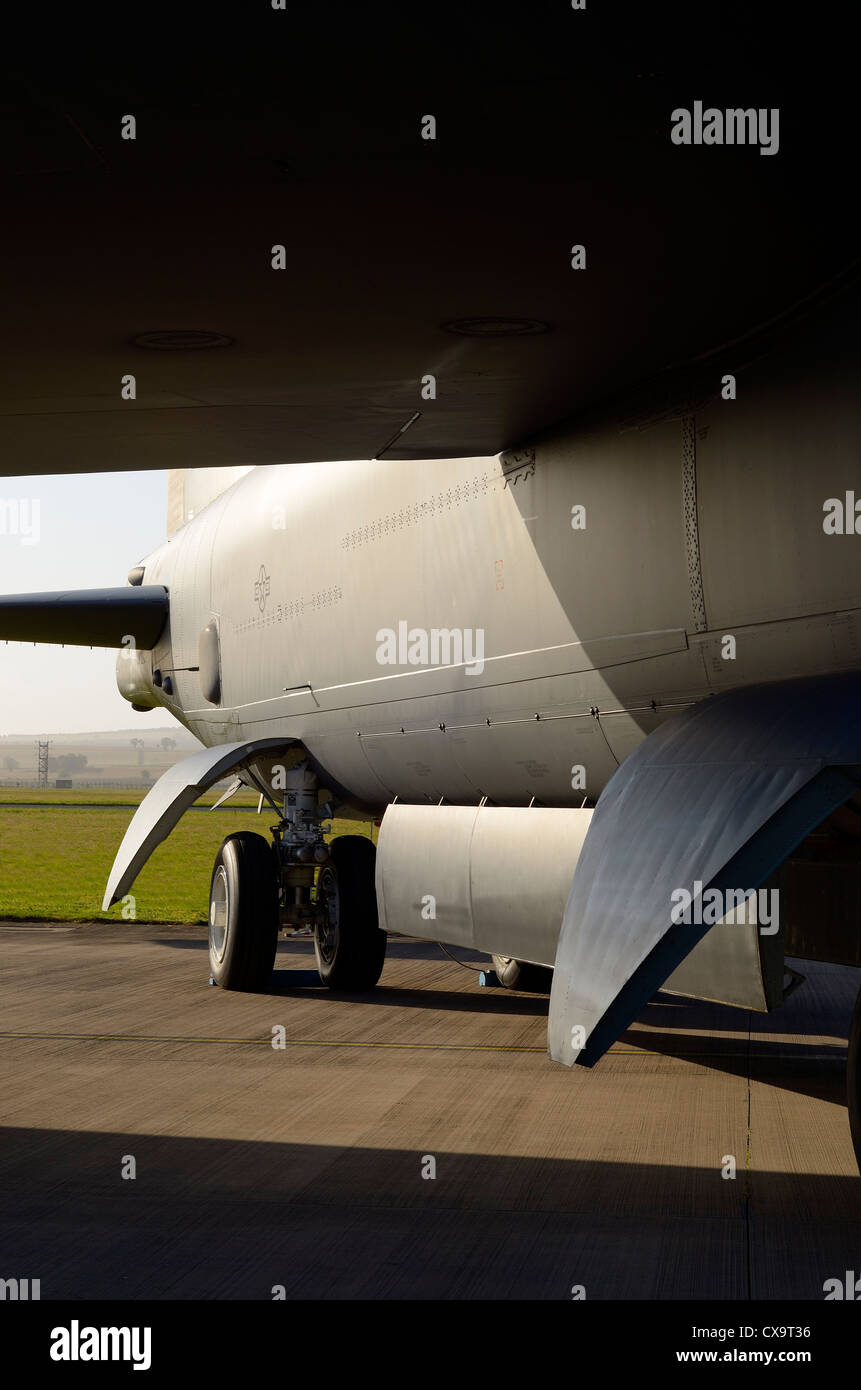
(612, 733)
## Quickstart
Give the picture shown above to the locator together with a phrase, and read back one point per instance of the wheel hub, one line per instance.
(219, 905)
(326, 929)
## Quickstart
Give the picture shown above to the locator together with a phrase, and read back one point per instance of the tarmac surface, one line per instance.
(301, 1168)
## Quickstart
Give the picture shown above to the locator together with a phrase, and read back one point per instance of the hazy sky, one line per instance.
(92, 528)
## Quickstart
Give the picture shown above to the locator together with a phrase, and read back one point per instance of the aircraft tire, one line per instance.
(243, 914)
(520, 974)
(853, 1079)
(351, 950)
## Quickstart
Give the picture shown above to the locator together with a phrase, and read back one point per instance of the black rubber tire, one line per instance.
(350, 955)
(853, 1079)
(520, 974)
(245, 870)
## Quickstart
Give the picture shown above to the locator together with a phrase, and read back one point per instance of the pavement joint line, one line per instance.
(408, 1047)
(289, 1042)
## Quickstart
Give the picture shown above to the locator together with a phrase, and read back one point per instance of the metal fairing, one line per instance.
(169, 798)
(719, 795)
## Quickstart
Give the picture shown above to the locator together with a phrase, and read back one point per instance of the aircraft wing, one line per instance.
(87, 617)
(244, 282)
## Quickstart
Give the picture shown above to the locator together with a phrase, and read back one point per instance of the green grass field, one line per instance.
(94, 796)
(54, 863)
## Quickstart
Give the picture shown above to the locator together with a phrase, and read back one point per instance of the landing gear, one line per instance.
(853, 1079)
(243, 913)
(520, 974)
(348, 943)
(299, 882)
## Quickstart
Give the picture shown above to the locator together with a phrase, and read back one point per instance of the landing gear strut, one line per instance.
(299, 881)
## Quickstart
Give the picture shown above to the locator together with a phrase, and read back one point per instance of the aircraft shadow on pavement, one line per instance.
(397, 949)
(306, 983)
(790, 1066)
(232, 1218)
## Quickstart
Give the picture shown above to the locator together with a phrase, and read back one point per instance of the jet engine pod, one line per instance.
(493, 877)
(498, 878)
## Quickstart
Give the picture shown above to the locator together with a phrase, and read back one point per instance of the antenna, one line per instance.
(43, 753)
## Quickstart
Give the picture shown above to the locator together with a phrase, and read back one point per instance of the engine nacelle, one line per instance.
(495, 878)
(134, 678)
(498, 878)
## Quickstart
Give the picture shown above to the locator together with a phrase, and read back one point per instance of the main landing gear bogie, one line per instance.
(258, 888)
